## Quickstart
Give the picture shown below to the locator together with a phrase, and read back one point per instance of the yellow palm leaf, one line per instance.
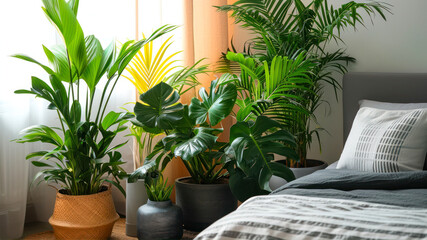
(150, 67)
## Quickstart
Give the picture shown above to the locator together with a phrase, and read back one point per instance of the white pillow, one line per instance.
(391, 106)
(386, 141)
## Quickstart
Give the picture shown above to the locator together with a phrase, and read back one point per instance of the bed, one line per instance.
(368, 196)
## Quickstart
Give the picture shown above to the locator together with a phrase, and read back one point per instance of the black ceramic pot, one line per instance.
(159, 220)
(203, 204)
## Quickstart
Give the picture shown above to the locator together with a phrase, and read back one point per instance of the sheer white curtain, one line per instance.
(24, 29)
(154, 14)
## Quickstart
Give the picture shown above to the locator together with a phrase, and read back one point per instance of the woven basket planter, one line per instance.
(84, 216)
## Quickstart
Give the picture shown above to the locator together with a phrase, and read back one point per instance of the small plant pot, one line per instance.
(159, 220)
(136, 196)
(203, 204)
(276, 182)
(83, 216)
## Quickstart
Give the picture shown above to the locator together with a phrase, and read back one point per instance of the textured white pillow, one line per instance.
(391, 106)
(386, 141)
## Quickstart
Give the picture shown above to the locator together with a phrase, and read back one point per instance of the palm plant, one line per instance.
(148, 68)
(82, 158)
(289, 27)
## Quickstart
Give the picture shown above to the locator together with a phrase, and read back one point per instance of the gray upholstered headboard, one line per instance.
(384, 87)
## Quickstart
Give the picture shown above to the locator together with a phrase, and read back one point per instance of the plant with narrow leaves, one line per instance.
(82, 158)
(289, 27)
(157, 187)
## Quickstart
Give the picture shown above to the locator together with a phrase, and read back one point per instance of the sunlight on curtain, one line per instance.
(25, 29)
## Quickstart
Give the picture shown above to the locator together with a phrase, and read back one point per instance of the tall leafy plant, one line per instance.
(289, 27)
(264, 89)
(82, 158)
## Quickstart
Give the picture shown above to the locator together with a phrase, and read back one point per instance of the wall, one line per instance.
(397, 45)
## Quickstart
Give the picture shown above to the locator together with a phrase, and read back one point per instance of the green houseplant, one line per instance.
(159, 218)
(82, 158)
(191, 136)
(264, 89)
(150, 66)
(287, 28)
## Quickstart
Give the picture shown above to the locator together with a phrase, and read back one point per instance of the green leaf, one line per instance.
(204, 139)
(36, 154)
(58, 57)
(23, 91)
(40, 133)
(113, 118)
(64, 18)
(76, 111)
(32, 60)
(142, 171)
(282, 171)
(251, 148)
(74, 4)
(159, 108)
(244, 187)
(40, 164)
(95, 56)
(217, 105)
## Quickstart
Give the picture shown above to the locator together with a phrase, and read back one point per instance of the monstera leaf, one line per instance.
(252, 147)
(217, 105)
(203, 139)
(159, 108)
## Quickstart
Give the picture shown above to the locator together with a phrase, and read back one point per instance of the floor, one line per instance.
(36, 227)
(41, 230)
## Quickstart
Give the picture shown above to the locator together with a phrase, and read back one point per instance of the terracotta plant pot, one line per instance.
(84, 216)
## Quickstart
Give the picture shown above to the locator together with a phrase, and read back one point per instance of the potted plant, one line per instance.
(158, 218)
(149, 67)
(288, 28)
(264, 90)
(191, 136)
(82, 159)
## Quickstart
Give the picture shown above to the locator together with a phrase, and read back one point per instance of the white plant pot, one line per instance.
(136, 196)
(276, 182)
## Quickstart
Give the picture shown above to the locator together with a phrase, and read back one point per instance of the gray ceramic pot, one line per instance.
(203, 204)
(276, 182)
(159, 220)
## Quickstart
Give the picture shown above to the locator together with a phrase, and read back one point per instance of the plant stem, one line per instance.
(102, 99)
(109, 95)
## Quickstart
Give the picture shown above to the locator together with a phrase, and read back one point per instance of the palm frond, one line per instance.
(149, 67)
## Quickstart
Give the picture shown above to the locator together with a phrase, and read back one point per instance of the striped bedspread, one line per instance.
(300, 217)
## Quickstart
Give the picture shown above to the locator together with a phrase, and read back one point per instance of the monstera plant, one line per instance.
(250, 155)
(191, 136)
(189, 130)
